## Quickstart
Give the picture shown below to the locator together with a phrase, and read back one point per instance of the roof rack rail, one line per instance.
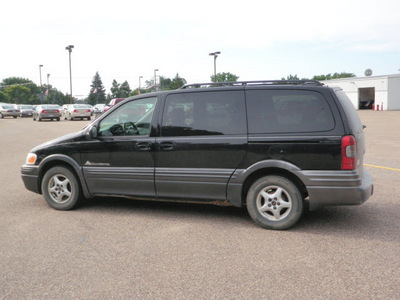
(246, 83)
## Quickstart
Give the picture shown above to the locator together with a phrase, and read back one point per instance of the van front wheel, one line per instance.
(60, 188)
(274, 202)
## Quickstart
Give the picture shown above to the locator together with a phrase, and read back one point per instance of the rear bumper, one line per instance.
(30, 177)
(10, 114)
(49, 116)
(337, 188)
(80, 115)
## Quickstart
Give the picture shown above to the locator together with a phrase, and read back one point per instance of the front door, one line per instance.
(120, 161)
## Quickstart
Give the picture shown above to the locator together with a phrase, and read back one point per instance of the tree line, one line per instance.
(322, 77)
(19, 90)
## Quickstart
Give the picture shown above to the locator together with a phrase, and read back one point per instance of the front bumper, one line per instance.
(30, 177)
(337, 188)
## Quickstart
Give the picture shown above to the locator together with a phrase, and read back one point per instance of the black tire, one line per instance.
(58, 119)
(274, 202)
(61, 188)
(15, 117)
(40, 120)
(1, 116)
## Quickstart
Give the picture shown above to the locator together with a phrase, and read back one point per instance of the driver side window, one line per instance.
(132, 118)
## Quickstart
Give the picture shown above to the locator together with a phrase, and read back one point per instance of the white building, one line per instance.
(378, 92)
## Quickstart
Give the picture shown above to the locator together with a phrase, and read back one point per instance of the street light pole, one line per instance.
(69, 48)
(155, 80)
(139, 83)
(215, 54)
(41, 86)
(40, 74)
(47, 91)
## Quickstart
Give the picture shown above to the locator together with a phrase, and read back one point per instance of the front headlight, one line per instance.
(31, 159)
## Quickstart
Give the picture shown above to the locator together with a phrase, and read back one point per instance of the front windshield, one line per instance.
(132, 118)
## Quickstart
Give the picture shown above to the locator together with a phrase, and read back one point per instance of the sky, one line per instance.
(258, 40)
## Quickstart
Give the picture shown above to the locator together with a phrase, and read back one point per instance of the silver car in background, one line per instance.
(47, 111)
(9, 110)
(26, 110)
(77, 111)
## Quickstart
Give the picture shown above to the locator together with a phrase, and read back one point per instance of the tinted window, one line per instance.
(287, 111)
(205, 113)
(133, 118)
(350, 110)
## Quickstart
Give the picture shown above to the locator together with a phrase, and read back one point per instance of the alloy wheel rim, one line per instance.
(274, 203)
(60, 188)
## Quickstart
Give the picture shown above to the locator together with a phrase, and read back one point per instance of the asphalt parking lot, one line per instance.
(119, 248)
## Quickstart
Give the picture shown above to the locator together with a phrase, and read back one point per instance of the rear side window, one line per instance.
(352, 115)
(205, 113)
(287, 111)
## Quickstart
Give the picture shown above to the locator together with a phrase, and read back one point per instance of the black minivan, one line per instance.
(275, 147)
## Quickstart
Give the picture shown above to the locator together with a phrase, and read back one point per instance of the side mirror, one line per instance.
(92, 133)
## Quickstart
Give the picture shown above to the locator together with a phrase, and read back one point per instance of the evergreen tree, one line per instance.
(125, 90)
(120, 90)
(115, 89)
(97, 91)
(177, 82)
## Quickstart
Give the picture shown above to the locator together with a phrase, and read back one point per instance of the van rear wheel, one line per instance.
(274, 202)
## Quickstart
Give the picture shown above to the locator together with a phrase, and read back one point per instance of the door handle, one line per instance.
(143, 146)
(167, 146)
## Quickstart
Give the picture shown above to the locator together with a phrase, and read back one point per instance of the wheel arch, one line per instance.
(253, 177)
(242, 180)
(64, 161)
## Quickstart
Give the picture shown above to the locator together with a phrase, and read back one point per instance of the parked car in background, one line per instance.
(47, 111)
(64, 108)
(77, 111)
(25, 110)
(98, 109)
(112, 103)
(9, 110)
(89, 107)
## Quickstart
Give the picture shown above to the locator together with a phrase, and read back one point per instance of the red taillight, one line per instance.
(349, 153)
(57, 111)
(75, 111)
(88, 110)
(43, 111)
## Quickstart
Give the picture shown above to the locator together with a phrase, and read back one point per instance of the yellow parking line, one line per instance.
(382, 167)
